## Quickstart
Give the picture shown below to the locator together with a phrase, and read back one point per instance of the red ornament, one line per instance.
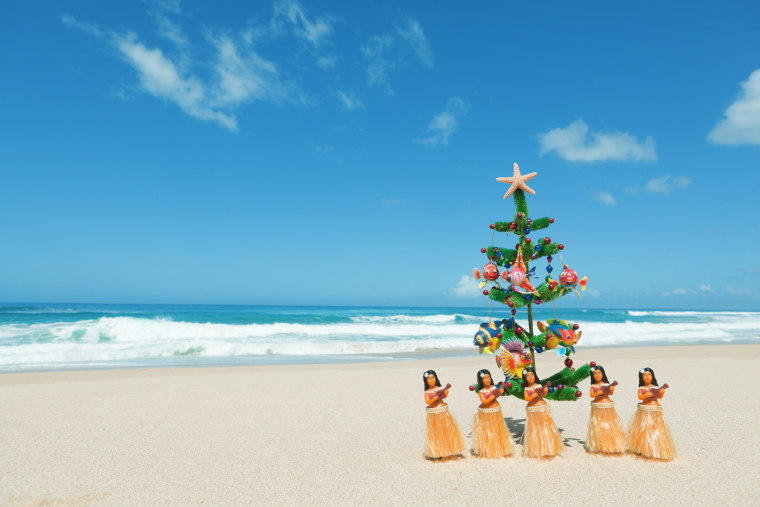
(472, 388)
(498, 335)
(509, 385)
(549, 258)
(592, 363)
(492, 226)
(551, 220)
(561, 246)
(518, 331)
(576, 326)
(485, 292)
(519, 215)
(578, 394)
(510, 304)
(568, 362)
(527, 240)
(482, 250)
(512, 225)
(547, 240)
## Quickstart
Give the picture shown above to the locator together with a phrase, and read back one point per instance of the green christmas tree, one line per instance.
(506, 338)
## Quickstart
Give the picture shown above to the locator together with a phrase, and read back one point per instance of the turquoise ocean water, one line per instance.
(64, 336)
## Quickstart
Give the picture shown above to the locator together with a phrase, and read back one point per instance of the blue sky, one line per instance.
(346, 152)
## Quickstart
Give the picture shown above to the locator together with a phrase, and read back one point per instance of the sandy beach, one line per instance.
(353, 433)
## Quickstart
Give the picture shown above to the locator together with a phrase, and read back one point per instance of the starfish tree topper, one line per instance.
(517, 181)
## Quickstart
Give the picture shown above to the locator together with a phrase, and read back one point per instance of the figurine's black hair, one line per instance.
(641, 377)
(480, 378)
(601, 369)
(425, 376)
(535, 375)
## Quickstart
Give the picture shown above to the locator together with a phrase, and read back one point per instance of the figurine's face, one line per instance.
(430, 380)
(647, 377)
(486, 380)
(597, 375)
(530, 377)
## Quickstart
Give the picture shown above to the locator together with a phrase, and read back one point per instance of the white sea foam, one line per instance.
(131, 338)
(432, 319)
(685, 313)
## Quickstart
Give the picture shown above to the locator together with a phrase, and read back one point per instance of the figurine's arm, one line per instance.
(612, 389)
(445, 393)
(644, 394)
(530, 394)
(431, 398)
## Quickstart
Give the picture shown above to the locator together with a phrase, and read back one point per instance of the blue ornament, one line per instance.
(539, 349)
(538, 248)
(499, 254)
(549, 269)
(527, 230)
(551, 389)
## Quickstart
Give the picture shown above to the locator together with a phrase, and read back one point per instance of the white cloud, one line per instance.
(378, 64)
(384, 53)
(467, 287)
(323, 149)
(314, 30)
(392, 202)
(661, 185)
(159, 77)
(572, 143)
(445, 123)
(605, 197)
(702, 290)
(349, 100)
(411, 32)
(741, 122)
(234, 75)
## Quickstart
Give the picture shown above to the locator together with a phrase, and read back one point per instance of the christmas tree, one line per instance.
(515, 346)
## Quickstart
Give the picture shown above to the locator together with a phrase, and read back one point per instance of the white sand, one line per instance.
(351, 434)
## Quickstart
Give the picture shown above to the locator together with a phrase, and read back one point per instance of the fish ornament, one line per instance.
(568, 279)
(487, 337)
(518, 276)
(559, 334)
(513, 358)
(490, 273)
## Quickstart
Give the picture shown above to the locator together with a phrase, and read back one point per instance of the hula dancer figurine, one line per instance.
(648, 436)
(490, 436)
(605, 433)
(541, 438)
(442, 438)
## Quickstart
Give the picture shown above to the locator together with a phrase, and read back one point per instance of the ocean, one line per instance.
(75, 336)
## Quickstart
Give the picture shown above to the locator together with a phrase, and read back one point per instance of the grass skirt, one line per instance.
(442, 438)
(605, 432)
(541, 438)
(648, 435)
(490, 436)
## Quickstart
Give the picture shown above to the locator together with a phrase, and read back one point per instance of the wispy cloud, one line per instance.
(573, 143)
(741, 122)
(315, 30)
(445, 123)
(216, 87)
(323, 149)
(467, 287)
(392, 202)
(349, 100)
(662, 185)
(411, 32)
(605, 198)
(384, 53)
(702, 290)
